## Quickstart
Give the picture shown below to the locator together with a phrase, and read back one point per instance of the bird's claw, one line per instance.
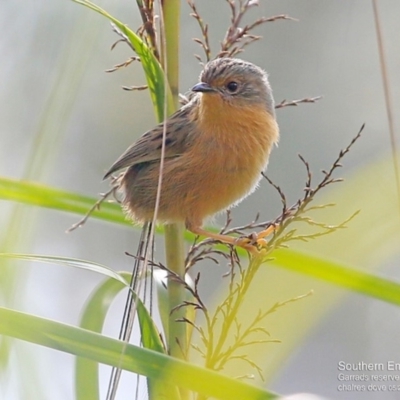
(255, 242)
(252, 244)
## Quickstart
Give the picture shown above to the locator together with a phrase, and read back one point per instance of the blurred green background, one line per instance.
(63, 121)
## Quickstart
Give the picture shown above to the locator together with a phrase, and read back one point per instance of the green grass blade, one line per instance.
(154, 73)
(109, 351)
(69, 262)
(45, 196)
(341, 275)
(95, 312)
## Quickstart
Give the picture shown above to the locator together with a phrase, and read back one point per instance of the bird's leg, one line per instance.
(244, 243)
(250, 245)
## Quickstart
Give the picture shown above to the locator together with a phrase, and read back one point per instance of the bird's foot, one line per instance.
(255, 242)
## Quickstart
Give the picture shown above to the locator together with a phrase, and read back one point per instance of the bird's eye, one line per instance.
(232, 87)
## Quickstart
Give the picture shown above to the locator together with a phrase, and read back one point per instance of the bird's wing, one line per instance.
(148, 148)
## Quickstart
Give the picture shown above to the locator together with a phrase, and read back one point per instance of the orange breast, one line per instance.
(229, 154)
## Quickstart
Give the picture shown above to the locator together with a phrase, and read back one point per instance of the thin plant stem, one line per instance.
(174, 232)
(171, 19)
(176, 291)
(388, 97)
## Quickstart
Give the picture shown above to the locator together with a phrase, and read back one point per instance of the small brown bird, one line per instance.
(215, 149)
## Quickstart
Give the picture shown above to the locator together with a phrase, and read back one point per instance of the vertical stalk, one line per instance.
(174, 248)
(174, 232)
(171, 17)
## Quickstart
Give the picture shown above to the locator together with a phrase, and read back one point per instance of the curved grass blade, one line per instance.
(95, 312)
(69, 262)
(113, 352)
(156, 80)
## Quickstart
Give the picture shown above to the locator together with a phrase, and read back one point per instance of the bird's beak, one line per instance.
(202, 87)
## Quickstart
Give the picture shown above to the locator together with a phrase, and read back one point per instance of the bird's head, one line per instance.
(237, 82)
